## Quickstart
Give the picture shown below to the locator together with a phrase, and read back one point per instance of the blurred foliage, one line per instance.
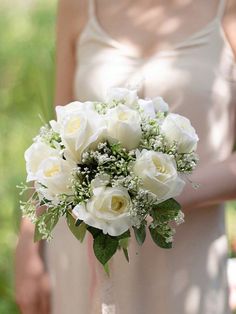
(26, 90)
(231, 226)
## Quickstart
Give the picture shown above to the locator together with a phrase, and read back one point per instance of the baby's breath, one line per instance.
(49, 136)
(114, 163)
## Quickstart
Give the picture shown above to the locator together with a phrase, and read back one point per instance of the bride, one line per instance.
(182, 50)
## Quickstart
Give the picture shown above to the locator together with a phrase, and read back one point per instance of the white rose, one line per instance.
(108, 210)
(123, 125)
(55, 174)
(63, 111)
(80, 128)
(158, 173)
(178, 128)
(122, 95)
(34, 156)
(160, 104)
(148, 107)
(152, 106)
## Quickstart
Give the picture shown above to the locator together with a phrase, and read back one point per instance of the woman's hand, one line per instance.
(32, 286)
(217, 184)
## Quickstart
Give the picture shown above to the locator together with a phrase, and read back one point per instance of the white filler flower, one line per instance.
(158, 173)
(177, 128)
(80, 127)
(35, 155)
(123, 125)
(108, 210)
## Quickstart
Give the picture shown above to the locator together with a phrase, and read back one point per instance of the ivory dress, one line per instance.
(197, 79)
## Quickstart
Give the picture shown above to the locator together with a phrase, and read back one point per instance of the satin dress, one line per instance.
(197, 78)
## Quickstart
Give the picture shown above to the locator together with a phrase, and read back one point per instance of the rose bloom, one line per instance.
(150, 107)
(159, 174)
(178, 128)
(123, 95)
(35, 155)
(123, 125)
(80, 128)
(55, 174)
(108, 210)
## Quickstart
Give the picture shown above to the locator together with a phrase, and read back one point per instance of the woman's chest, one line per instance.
(175, 74)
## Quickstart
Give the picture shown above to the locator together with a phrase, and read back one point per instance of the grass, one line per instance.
(26, 90)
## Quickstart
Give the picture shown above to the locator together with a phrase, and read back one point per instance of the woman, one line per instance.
(179, 50)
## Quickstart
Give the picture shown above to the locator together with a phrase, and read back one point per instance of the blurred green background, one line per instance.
(27, 39)
(27, 33)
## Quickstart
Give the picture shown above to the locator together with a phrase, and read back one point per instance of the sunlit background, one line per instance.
(27, 47)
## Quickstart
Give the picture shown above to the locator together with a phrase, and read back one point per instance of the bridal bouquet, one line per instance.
(111, 168)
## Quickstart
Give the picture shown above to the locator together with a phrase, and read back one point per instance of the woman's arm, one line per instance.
(72, 16)
(217, 181)
(32, 286)
(229, 23)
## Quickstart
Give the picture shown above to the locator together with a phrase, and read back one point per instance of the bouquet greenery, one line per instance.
(107, 167)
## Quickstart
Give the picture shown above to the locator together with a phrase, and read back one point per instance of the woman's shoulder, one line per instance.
(229, 22)
(73, 8)
(72, 15)
(73, 4)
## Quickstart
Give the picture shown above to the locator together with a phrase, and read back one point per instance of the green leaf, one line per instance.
(78, 222)
(124, 235)
(123, 244)
(80, 231)
(126, 254)
(159, 238)
(107, 269)
(166, 211)
(94, 231)
(140, 234)
(104, 247)
(170, 203)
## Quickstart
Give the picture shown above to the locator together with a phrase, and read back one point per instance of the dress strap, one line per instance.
(91, 8)
(221, 8)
